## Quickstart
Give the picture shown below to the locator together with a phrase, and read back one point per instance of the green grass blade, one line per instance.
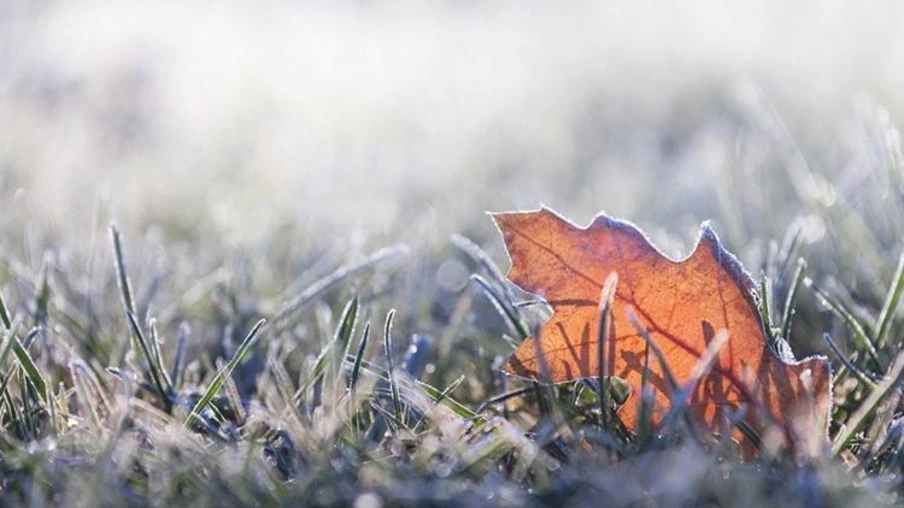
(646, 403)
(887, 315)
(31, 370)
(330, 355)
(859, 418)
(359, 357)
(342, 338)
(503, 397)
(158, 357)
(766, 307)
(235, 401)
(603, 338)
(457, 407)
(791, 298)
(4, 315)
(347, 323)
(34, 376)
(8, 341)
(10, 402)
(449, 389)
(860, 336)
(8, 335)
(390, 368)
(153, 369)
(504, 307)
(858, 373)
(479, 255)
(42, 300)
(442, 396)
(217, 383)
(125, 287)
(496, 288)
(179, 363)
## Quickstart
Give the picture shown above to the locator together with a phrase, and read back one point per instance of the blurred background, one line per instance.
(288, 137)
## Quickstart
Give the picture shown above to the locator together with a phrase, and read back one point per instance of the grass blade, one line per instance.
(125, 287)
(603, 334)
(138, 337)
(680, 402)
(390, 368)
(330, 356)
(646, 403)
(179, 363)
(503, 397)
(449, 389)
(442, 396)
(284, 386)
(856, 421)
(766, 307)
(158, 357)
(457, 407)
(860, 336)
(479, 255)
(506, 309)
(128, 302)
(887, 315)
(217, 383)
(42, 300)
(334, 278)
(359, 357)
(4, 315)
(31, 370)
(90, 397)
(791, 299)
(667, 375)
(7, 346)
(860, 374)
(8, 341)
(342, 338)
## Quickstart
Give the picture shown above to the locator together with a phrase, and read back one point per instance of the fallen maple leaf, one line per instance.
(683, 305)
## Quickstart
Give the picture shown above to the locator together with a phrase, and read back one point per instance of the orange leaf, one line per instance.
(682, 304)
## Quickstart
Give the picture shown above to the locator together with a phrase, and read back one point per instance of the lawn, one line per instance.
(245, 255)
